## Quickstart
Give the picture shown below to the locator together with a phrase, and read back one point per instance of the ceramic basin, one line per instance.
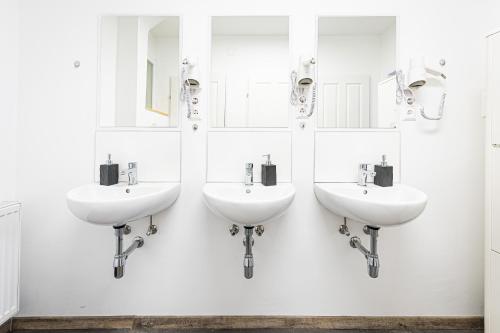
(248, 205)
(372, 205)
(120, 203)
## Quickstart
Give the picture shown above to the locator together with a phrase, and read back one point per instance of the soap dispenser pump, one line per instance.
(108, 173)
(268, 173)
(383, 174)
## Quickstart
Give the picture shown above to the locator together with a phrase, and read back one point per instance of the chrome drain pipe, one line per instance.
(371, 255)
(248, 260)
(121, 256)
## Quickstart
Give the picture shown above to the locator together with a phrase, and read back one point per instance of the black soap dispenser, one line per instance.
(383, 174)
(268, 173)
(108, 173)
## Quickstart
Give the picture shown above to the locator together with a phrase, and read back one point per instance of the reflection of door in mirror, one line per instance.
(249, 72)
(139, 65)
(355, 56)
(345, 101)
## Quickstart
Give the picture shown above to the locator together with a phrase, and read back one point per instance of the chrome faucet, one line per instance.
(131, 172)
(363, 174)
(249, 174)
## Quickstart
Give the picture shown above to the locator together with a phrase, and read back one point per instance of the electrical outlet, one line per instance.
(408, 113)
(195, 114)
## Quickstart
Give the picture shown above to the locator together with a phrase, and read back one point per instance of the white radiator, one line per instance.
(10, 243)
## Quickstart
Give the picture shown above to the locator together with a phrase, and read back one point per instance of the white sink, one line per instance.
(248, 205)
(372, 205)
(120, 203)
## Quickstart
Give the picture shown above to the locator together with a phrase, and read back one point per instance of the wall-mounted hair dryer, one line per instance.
(417, 75)
(190, 74)
(306, 72)
(303, 81)
(190, 84)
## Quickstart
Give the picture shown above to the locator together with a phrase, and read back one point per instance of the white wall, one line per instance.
(433, 266)
(491, 17)
(353, 147)
(8, 97)
(492, 302)
(157, 153)
(226, 163)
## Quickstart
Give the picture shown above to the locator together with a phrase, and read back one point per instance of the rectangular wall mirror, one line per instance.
(139, 71)
(355, 56)
(249, 72)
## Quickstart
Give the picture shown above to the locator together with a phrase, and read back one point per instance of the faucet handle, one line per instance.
(363, 166)
(249, 165)
(132, 165)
